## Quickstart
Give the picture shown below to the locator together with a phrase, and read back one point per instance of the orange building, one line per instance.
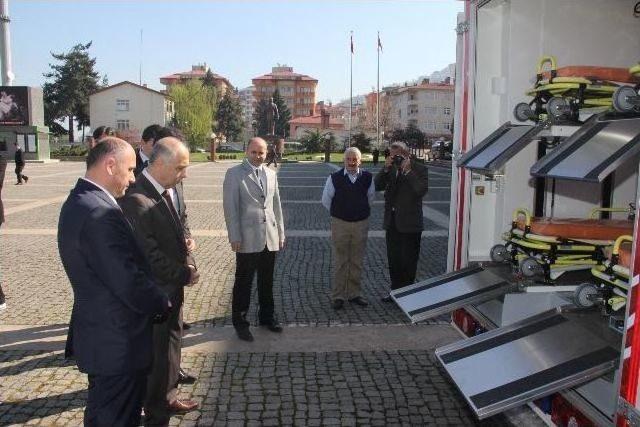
(197, 73)
(297, 90)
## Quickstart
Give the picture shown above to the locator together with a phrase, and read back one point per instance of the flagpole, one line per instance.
(378, 97)
(351, 90)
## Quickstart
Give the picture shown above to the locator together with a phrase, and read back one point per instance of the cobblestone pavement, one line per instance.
(237, 386)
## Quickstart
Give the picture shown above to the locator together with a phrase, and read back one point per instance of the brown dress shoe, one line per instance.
(182, 406)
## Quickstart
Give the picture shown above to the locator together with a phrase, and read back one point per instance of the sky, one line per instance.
(239, 39)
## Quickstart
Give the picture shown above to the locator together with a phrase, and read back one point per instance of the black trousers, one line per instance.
(19, 174)
(162, 382)
(403, 251)
(115, 400)
(247, 264)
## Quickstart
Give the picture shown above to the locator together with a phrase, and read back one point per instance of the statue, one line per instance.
(272, 116)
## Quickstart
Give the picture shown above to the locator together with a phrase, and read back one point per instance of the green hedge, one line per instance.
(70, 151)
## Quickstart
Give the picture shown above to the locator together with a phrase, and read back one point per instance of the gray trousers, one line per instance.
(349, 240)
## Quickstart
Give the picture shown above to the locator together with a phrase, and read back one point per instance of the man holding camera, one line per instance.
(405, 182)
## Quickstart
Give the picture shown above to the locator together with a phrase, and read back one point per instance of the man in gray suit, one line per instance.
(253, 215)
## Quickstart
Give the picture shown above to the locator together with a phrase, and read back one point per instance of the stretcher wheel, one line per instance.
(585, 295)
(523, 112)
(623, 99)
(557, 107)
(499, 253)
(530, 267)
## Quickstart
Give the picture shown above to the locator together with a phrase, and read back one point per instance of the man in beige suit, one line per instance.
(255, 226)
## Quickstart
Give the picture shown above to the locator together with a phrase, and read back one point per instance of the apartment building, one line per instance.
(129, 108)
(297, 90)
(248, 103)
(197, 72)
(427, 106)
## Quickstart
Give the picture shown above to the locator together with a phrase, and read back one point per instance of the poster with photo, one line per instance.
(14, 106)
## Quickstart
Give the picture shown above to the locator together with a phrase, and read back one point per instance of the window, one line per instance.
(413, 122)
(122, 124)
(412, 97)
(122, 105)
(431, 110)
(431, 125)
(413, 109)
(447, 111)
(400, 114)
(446, 126)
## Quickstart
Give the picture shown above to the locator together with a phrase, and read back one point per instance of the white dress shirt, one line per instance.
(160, 189)
(330, 191)
(262, 177)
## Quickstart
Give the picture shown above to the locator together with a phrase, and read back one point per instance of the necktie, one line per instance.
(174, 214)
(145, 163)
(259, 180)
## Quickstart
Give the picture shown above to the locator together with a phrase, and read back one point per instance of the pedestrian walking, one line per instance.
(20, 162)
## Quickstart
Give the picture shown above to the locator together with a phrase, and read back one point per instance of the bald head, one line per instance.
(169, 161)
(256, 151)
(110, 164)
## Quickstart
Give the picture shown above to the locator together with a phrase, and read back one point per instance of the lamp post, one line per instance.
(327, 147)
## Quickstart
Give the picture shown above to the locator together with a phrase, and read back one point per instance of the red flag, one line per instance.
(379, 43)
(351, 44)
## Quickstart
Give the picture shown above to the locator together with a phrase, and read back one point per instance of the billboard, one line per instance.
(14, 106)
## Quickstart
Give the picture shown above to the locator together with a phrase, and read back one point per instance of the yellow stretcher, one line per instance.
(559, 94)
(612, 281)
(539, 247)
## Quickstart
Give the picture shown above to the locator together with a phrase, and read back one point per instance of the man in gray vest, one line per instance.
(347, 195)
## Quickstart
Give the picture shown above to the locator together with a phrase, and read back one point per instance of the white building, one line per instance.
(129, 108)
(427, 106)
(248, 104)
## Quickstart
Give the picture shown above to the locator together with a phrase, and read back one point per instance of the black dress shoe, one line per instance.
(387, 299)
(185, 378)
(274, 326)
(244, 334)
(186, 326)
(337, 304)
(360, 301)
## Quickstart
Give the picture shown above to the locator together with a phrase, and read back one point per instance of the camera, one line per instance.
(397, 160)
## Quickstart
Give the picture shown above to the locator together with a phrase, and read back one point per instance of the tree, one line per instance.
(313, 140)
(263, 112)
(229, 116)
(67, 95)
(413, 136)
(209, 79)
(361, 141)
(194, 109)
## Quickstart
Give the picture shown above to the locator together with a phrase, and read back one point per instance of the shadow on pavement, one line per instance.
(26, 410)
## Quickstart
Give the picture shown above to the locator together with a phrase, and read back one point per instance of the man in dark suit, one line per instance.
(18, 157)
(150, 135)
(405, 182)
(115, 299)
(149, 138)
(151, 205)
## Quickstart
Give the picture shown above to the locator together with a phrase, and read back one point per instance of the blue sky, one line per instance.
(240, 39)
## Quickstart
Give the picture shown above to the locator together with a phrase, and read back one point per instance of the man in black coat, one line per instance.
(149, 138)
(405, 182)
(19, 160)
(151, 205)
(115, 299)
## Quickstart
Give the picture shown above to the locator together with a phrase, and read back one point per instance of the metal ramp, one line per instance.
(445, 293)
(494, 151)
(595, 150)
(535, 357)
